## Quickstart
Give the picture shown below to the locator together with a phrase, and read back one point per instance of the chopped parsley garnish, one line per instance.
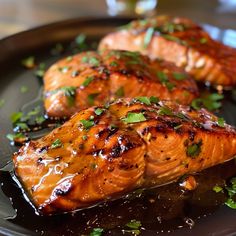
(148, 36)
(114, 63)
(84, 137)
(179, 76)
(80, 40)
(56, 144)
(203, 40)
(211, 102)
(40, 119)
(69, 58)
(120, 92)
(217, 189)
(194, 149)
(94, 61)
(2, 102)
(134, 117)
(87, 81)
(163, 78)
(96, 232)
(91, 97)
(178, 127)
(74, 73)
(173, 38)
(221, 122)
(64, 69)
(93, 166)
(24, 89)
(69, 92)
(16, 116)
(144, 100)
(134, 224)
(154, 99)
(165, 111)
(40, 70)
(87, 124)
(231, 189)
(22, 126)
(99, 111)
(16, 137)
(28, 62)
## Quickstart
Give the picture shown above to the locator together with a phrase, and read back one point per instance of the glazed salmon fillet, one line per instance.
(104, 152)
(180, 41)
(92, 78)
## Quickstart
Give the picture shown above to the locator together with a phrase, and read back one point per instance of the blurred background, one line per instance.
(19, 15)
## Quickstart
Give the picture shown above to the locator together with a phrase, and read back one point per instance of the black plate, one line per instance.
(38, 42)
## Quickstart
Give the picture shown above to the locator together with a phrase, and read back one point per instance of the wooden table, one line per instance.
(18, 15)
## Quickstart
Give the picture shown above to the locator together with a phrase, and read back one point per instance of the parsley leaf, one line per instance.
(91, 97)
(221, 122)
(56, 144)
(165, 111)
(28, 62)
(194, 149)
(16, 116)
(134, 224)
(179, 76)
(99, 111)
(87, 123)
(144, 100)
(134, 117)
(217, 189)
(96, 232)
(87, 81)
(148, 36)
(120, 92)
(163, 78)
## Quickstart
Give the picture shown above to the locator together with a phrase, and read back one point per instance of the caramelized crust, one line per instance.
(104, 152)
(180, 41)
(92, 78)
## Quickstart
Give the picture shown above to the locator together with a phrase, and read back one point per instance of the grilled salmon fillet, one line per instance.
(104, 152)
(92, 78)
(180, 41)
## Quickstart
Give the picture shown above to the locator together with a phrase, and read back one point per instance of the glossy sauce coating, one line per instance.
(104, 152)
(180, 41)
(92, 78)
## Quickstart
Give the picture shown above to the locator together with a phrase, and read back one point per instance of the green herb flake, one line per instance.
(16, 116)
(57, 49)
(84, 137)
(114, 64)
(28, 62)
(16, 137)
(203, 40)
(87, 124)
(87, 81)
(69, 92)
(80, 39)
(133, 231)
(230, 203)
(179, 76)
(2, 102)
(69, 58)
(96, 232)
(22, 126)
(175, 39)
(99, 111)
(211, 102)
(148, 37)
(154, 99)
(134, 224)
(163, 78)
(64, 69)
(24, 89)
(94, 61)
(40, 70)
(217, 189)
(194, 149)
(134, 117)
(120, 92)
(40, 119)
(221, 122)
(178, 127)
(93, 166)
(91, 97)
(56, 144)
(144, 100)
(165, 111)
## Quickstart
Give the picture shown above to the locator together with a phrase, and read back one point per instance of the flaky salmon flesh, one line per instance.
(180, 41)
(104, 152)
(92, 78)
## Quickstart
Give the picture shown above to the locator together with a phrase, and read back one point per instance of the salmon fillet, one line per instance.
(92, 78)
(180, 41)
(104, 152)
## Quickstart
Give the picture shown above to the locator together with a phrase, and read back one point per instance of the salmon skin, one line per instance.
(104, 152)
(92, 78)
(180, 41)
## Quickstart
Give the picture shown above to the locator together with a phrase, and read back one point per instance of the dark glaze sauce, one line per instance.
(162, 209)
